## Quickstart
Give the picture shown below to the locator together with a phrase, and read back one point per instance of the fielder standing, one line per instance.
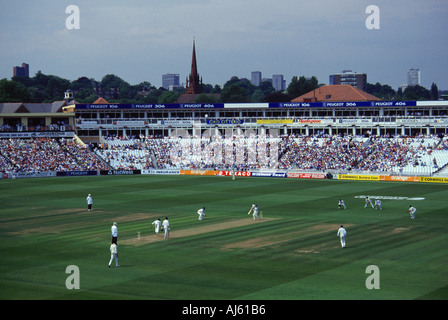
(157, 223)
(166, 227)
(341, 234)
(89, 202)
(378, 204)
(113, 254)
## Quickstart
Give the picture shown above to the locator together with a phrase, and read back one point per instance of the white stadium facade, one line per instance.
(378, 118)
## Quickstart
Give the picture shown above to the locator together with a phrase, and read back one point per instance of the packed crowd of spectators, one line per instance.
(324, 153)
(188, 153)
(399, 154)
(345, 153)
(312, 153)
(444, 144)
(238, 152)
(125, 153)
(46, 154)
(5, 165)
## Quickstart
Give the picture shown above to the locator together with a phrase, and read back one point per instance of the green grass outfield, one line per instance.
(292, 253)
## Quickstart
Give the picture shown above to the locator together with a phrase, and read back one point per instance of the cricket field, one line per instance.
(53, 248)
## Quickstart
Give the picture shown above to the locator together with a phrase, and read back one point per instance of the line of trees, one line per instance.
(48, 88)
(411, 93)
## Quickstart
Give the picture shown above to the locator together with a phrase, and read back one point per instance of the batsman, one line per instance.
(254, 209)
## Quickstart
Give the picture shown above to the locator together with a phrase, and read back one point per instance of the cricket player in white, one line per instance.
(341, 204)
(368, 201)
(378, 204)
(201, 213)
(412, 211)
(89, 202)
(157, 223)
(113, 254)
(255, 210)
(341, 234)
(114, 231)
(166, 227)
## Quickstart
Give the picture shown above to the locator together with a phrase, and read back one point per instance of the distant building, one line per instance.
(112, 93)
(333, 93)
(414, 77)
(278, 82)
(23, 71)
(255, 78)
(354, 79)
(170, 79)
(194, 83)
(194, 86)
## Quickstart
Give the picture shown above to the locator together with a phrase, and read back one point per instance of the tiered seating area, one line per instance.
(46, 154)
(422, 155)
(399, 155)
(125, 153)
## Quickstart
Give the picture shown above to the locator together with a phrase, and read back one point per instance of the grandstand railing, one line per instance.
(235, 121)
(50, 128)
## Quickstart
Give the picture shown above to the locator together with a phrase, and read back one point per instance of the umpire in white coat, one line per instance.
(89, 202)
(341, 234)
(114, 231)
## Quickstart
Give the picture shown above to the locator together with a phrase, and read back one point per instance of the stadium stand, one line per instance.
(46, 154)
(368, 137)
(402, 155)
(424, 154)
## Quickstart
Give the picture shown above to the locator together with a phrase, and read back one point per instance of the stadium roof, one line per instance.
(101, 100)
(342, 92)
(13, 107)
(45, 107)
(8, 108)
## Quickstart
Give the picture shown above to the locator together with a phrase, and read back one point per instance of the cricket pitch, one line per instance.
(193, 231)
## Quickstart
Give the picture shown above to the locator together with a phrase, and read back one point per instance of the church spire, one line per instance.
(194, 84)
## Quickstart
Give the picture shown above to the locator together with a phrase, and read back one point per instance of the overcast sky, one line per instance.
(139, 40)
